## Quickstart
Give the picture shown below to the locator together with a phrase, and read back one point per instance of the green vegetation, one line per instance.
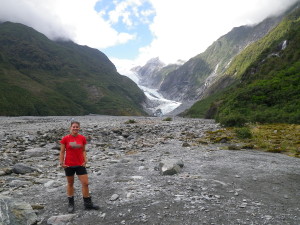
(268, 81)
(192, 76)
(168, 119)
(241, 63)
(278, 138)
(42, 77)
(205, 108)
(130, 122)
(261, 108)
(272, 93)
(275, 138)
(243, 132)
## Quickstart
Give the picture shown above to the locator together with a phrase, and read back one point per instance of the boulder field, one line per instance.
(142, 170)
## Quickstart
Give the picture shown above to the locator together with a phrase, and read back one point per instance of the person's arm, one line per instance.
(84, 156)
(62, 155)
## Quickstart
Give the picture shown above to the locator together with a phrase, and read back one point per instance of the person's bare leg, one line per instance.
(70, 193)
(84, 179)
(88, 204)
(70, 186)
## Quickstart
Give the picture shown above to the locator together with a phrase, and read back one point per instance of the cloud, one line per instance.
(25, 12)
(183, 29)
(70, 19)
(128, 12)
(180, 29)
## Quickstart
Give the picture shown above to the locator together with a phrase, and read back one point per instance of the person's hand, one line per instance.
(84, 164)
(63, 165)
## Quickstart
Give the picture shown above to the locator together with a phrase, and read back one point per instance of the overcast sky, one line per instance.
(137, 30)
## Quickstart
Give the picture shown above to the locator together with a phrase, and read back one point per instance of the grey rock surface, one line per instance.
(170, 167)
(21, 168)
(16, 212)
(215, 186)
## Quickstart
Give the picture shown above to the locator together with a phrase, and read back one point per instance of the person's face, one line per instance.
(75, 128)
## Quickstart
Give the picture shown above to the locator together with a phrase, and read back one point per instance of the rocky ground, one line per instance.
(214, 186)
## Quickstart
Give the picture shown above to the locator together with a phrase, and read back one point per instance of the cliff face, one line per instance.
(154, 72)
(149, 73)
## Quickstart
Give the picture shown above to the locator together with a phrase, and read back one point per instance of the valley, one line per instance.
(214, 186)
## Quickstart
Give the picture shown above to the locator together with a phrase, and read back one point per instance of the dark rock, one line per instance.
(185, 144)
(21, 168)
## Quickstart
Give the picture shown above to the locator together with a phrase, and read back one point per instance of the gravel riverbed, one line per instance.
(214, 186)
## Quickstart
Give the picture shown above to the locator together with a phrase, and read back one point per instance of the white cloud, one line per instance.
(73, 19)
(183, 29)
(127, 11)
(124, 67)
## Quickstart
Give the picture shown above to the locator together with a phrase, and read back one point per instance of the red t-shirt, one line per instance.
(74, 149)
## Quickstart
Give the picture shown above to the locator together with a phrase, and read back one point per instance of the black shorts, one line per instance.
(71, 170)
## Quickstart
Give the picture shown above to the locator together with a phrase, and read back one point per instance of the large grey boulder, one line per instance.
(35, 152)
(21, 168)
(13, 211)
(170, 167)
(61, 219)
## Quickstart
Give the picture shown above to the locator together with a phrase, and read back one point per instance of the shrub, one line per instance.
(243, 132)
(130, 121)
(235, 120)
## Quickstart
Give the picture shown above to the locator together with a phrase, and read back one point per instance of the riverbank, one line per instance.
(214, 186)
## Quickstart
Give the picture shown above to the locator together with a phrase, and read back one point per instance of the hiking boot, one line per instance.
(88, 204)
(71, 206)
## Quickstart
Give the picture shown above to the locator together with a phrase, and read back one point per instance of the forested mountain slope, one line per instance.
(189, 81)
(42, 77)
(267, 87)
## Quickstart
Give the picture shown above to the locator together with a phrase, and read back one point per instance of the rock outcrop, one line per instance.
(16, 212)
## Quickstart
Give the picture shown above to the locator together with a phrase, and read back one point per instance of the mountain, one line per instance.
(43, 77)
(188, 82)
(264, 80)
(153, 72)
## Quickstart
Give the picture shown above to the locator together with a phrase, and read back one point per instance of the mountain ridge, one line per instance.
(44, 77)
(203, 76)
(265, 81)
(205, 67)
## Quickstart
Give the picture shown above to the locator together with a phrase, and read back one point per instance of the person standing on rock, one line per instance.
(73, 159)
